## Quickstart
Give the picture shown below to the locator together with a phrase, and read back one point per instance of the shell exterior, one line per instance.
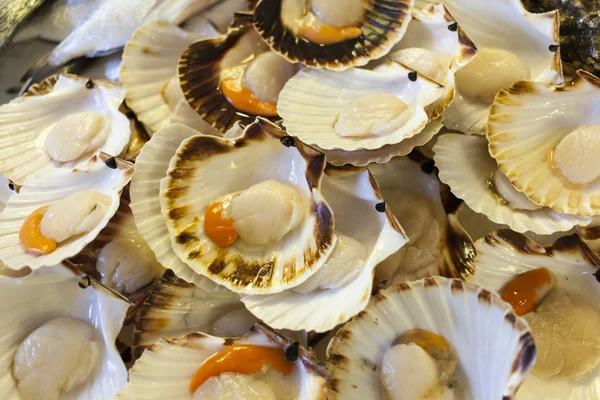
(353, 200)
(200, 69)
(403, 176)
(151, 167)
(384, 25)
(175, 307)
(311, 101)
(506, 25)
(183, 114)
(530, 119)
(504, 254)
(166, 369)
(56, 292)
(466, 166)
(149, 61)
(41, 191)
(24, 122)
(495, 348)
(6, 191)
(191, 185)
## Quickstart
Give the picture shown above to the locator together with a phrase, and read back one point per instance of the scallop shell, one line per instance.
(466, 166)
(591, 235)
(190, 186)
(385, 24)
(183, 114)
(505, 254)
(41, 191)
(353, 200)
(311, 101)
(56, 292)
(200, 69)
(495, 348)
(506, 25)
(23, 122)
(403, 177)
(6, 191)
(175, 307)
(149, 61)
(151, 167)
(530, 119)
(170, 364)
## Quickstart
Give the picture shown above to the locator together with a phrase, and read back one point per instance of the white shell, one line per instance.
(311, 101)
(23, 120)
(185, 115)
(530, 119)
(166, 369)
(41, 191)
(403, 177)
(466, 166)
(149, 61)
(506, 25)
(495, 348)
(151, 166)
(504, 254)
(5, 191)
(191, 185)
(353, 201)
(52, 293)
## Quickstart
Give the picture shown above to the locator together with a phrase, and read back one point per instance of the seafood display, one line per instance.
(299, 200)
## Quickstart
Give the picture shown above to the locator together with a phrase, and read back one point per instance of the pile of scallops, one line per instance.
(317, 199)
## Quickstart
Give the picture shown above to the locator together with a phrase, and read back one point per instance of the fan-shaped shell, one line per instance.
(183, 114)
(24, 122)
(170, 364)
(509, 26)
(151, 167)
(384, 25)
(465, 165)
(495, 348)
(504, 254)
(41, 191)
(56, 292)
(526, 122)
(402, 178)
(191, 185)
(354, 201)
(312, 100)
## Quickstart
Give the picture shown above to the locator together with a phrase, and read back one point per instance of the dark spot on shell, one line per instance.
(510, 317)
(456, 285)
(185, 238)
(412, 76)
(228, 342)
(217, 266)
(85, 282)
(194, 254)
(484, 296)
(130, 114)
(380, 207)
(355, 387)
(174, 193)
(11, 186)
(178, 213)
(553, 48)
(527, 355)
(453, 27)
(126, 355)
(344, 335)
(428, 167)
(291, 352)
(111, 163)
(288, 141)
(403, 286)
(429, 282)
(506, 398)
(89, 84)
(336, 358)
(597, 275)
(314, 170)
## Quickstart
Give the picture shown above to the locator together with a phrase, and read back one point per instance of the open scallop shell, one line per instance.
(353, 200)
(311, 101)
(41, 191)
(175, 307)
(166, 369)
(504, 254)
(434, 29)
(465, 165)
(52, 293)
(24, 122)
(509, 26)
(149, 62)
(191, 185)
(151, 167)
(526, 122)
(384, 25)
(495, 348)
(403, 177)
